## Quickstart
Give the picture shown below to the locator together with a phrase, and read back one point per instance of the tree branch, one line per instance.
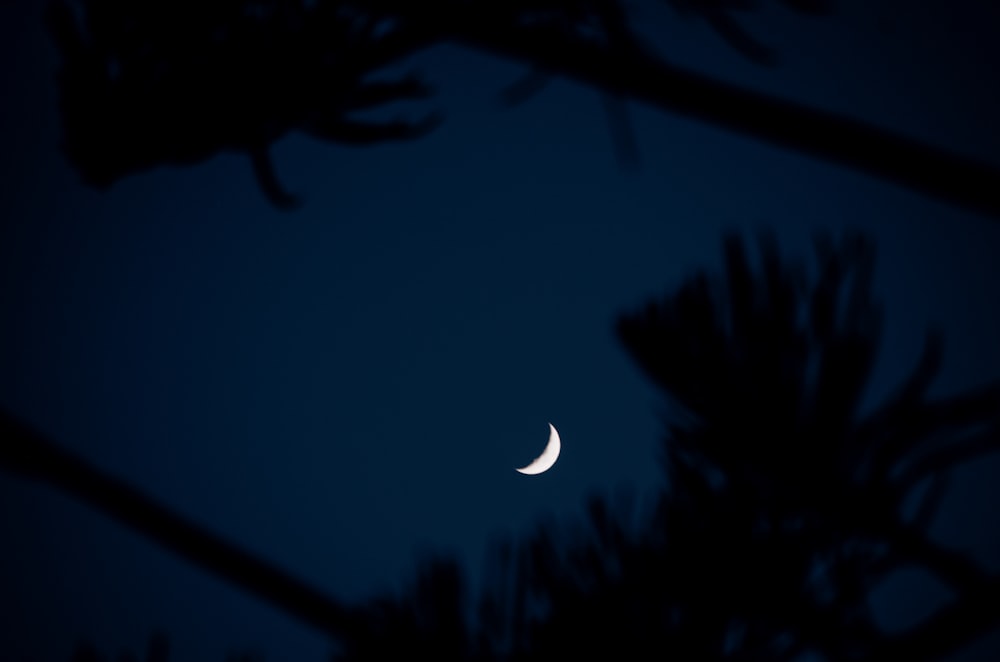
(25, 451)
(634, 72)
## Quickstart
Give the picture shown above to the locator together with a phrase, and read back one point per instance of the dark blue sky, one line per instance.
(346, 386)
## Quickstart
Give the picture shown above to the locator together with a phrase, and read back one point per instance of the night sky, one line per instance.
(347, 387)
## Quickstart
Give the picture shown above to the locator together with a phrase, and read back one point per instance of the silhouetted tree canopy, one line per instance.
(145, 84)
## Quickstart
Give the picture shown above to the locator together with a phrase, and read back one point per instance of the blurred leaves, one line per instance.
(159, 83)
(783, 506)
(175, 82)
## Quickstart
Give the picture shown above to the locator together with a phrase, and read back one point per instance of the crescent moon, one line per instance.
(548, 457)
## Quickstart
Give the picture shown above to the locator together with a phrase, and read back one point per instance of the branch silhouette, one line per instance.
(148, 84)
(25, 451)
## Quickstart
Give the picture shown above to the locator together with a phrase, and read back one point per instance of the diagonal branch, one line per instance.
(635, 72)
(25, 451)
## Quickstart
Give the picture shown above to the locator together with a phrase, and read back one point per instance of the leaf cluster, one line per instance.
(784, 506)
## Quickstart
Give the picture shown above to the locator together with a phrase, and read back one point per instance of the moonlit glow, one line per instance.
(548, 457)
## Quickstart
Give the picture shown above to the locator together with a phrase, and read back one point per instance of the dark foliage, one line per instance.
(166, 82)
(775, 460)
(784, 508)
(146, 84)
